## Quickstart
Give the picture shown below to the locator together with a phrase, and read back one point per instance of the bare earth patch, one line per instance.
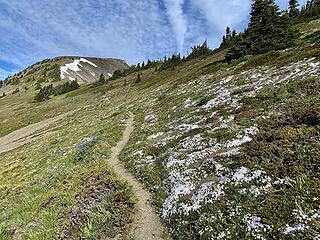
(26, 135)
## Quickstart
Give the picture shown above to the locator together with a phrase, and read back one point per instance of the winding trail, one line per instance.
(146, 224)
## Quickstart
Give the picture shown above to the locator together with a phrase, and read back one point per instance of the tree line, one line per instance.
(268, 28)
(47, 91)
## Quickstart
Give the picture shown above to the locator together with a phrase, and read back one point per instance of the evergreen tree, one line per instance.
(138, 78)
(102, 79)
(234, 33)
(171, 62)
(199, 51)
(264, 27)
(46, 91)
(224, 41)
(228, 33)
(293, 8)
(267, 30)
(311, 10)
(229, 39)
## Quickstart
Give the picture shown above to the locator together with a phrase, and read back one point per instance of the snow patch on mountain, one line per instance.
(74, 66)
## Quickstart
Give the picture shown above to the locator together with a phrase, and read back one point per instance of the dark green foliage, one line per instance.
(134, 68)
(238, 50)
(151, 64)
(122, 73)
(102, 79)
(310, 11)
(268, 30)
(117, 74)
(66, 87)
(44, 93)
(171, 63)
(293, 8)
(199, 51)
(229, 39)
(54, 73)
(138, 78)
(47, 91)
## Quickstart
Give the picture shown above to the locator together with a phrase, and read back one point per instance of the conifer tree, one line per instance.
(267, 30)
(224, 41)
(138, 78)
(102, 79)
(293, 8)
(234, 33)
(228, 33)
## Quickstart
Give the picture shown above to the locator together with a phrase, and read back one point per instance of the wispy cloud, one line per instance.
(178, 20)
(219, 14)
(45, 28)
(134, 30)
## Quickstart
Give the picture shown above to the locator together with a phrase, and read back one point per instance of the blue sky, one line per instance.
(133, 30)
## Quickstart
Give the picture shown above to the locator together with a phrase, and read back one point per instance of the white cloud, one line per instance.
(220, 14)
(178, 20)
(131, 30)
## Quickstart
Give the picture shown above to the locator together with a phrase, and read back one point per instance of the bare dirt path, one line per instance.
(146, 225)
(25, 135)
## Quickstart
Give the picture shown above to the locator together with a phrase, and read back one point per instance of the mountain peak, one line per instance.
(88, 69)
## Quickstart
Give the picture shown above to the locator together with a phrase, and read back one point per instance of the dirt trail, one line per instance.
(146, 225)
(25, 135)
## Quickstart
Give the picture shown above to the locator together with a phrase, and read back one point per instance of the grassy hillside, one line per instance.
(229, 151)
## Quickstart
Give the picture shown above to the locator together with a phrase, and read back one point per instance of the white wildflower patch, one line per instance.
(302, 222)
(255, 226)
(170, 205)
(150, 118)
(222, 97)
(155, 136)
(207, 193)
(139, 153)
(150, 159)
(187, 127)
(292, 230)
(189, 103)
(199, 164)
(230, 152)
(194, 142)
(241, 139)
